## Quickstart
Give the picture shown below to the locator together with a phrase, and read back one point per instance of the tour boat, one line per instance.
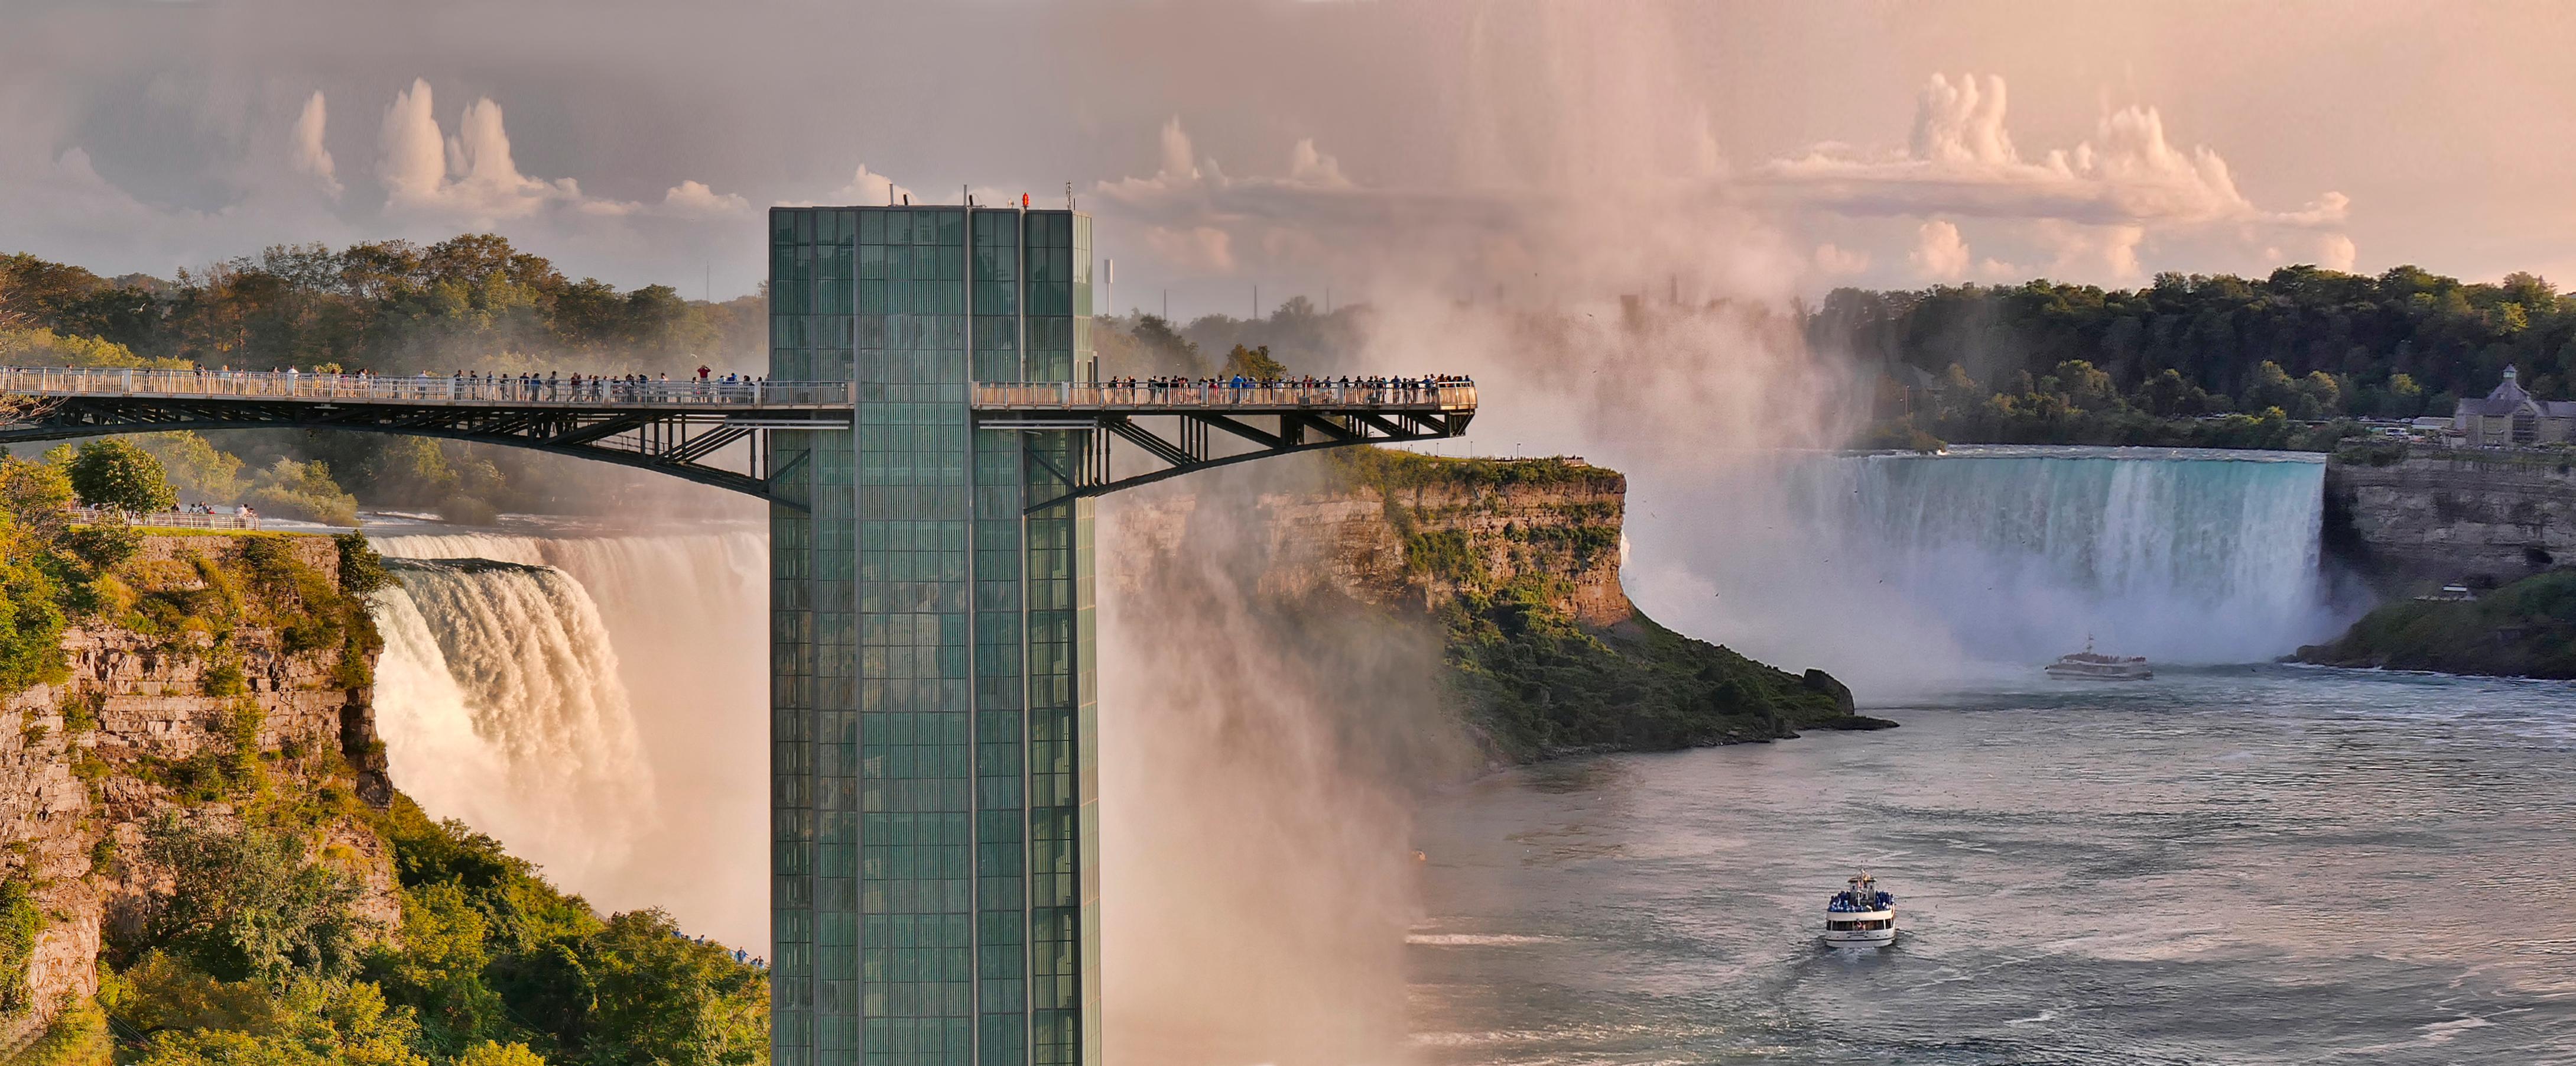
(2087, 665)
(1861, 916)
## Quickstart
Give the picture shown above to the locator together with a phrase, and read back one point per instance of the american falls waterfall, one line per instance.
(1902, 570)
(596, 703)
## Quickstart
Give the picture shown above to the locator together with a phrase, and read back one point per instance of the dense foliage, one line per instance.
(2525, 629)
(1389, 469)
(261, 956)
(2054, 361)
(494, 952)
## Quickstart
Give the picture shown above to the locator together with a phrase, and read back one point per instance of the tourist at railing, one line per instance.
(191, 516)
(1239, 390)
(459, 385)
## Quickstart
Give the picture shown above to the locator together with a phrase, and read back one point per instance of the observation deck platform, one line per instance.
(1271, 420)
(716, 432)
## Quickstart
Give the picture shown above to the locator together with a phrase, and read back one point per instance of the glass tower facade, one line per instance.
(934, 726)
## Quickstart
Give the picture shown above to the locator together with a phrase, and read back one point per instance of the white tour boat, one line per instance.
(2086, 665)
(1861, 916)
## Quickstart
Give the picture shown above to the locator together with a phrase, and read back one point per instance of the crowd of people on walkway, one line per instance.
(1237, 388)
(621, 388)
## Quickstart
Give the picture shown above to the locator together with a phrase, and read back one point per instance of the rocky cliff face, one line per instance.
(1512, 570)
(2451, 517)
(226, 687)
(1417, 546)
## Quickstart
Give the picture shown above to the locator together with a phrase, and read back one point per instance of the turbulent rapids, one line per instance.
(594, 702)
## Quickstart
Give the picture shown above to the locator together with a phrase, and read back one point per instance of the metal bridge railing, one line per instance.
(417, 388)
(1051, 395)
(109, 516)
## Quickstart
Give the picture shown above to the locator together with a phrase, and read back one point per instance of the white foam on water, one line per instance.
(600, 708)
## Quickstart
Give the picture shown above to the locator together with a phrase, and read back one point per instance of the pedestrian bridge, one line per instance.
(717, 432)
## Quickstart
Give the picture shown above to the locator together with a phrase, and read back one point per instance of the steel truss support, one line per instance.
(1191, 447)
(678, 440)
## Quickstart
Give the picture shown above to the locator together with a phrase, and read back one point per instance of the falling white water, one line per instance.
(667, 703)
(1900, 569)
(501, 705)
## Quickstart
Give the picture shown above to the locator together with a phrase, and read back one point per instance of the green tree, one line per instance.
(113, 472)
(246, 905)
(666, 1000)
(2405, 397)
(1254, 363)
(2085, 387)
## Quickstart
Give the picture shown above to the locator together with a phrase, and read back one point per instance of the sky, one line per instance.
(1511, 149)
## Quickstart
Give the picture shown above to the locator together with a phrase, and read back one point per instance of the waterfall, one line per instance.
(1902, 568)
(502, 706)
(598, 704)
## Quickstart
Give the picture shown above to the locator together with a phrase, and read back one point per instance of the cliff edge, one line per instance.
(2410, 517)
(1513, 565)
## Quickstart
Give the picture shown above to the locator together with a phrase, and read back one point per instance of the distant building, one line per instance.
(2510, 416)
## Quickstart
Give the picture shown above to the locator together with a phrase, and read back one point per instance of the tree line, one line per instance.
(392, 307)
(2314, 344)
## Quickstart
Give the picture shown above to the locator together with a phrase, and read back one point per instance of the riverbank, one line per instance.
(2524, 629)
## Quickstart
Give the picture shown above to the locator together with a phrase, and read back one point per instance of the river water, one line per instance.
(2224, 865)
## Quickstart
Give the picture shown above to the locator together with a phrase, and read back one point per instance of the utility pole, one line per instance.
(1256, 301)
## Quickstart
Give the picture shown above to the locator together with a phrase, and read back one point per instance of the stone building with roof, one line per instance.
(2509, 416)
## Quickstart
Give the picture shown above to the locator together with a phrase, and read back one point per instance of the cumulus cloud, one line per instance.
(471, 177)
(1310, 167)
(1834, 261)
(2335, 252)
(1961, 160)
(310, 158)
(1939, 252)
(867, 188)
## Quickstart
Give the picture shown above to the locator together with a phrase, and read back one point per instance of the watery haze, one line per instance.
(1292, 144)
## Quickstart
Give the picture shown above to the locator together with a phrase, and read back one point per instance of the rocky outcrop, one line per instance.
(204, 688)
(1512, 569)
(1418, 545)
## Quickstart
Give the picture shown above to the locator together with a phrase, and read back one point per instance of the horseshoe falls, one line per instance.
(1909, 570)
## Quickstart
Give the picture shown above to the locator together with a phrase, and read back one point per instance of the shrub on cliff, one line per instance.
(33, 573)
(245, 904)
